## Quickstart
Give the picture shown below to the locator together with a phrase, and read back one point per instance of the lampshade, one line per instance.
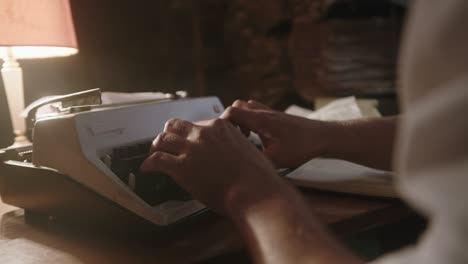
(36, 28)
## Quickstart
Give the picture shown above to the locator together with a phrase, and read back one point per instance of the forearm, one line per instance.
(368, 141)
(278, 227)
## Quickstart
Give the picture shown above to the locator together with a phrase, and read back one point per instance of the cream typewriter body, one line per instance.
(103, 148)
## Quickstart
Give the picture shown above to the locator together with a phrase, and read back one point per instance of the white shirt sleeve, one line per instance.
(431, 157)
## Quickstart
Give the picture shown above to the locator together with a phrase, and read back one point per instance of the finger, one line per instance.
(161, 162)
(257, 121)
(179, 127)
(240, 104)
(170, 143)
(206, 122)
(252, 104)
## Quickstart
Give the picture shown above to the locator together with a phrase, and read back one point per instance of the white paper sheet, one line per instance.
(338, 110)
(333, 170)
(321, 170)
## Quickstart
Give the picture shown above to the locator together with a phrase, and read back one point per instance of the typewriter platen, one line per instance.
(85, 166)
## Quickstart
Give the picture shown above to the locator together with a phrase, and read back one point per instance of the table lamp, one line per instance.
(31, 29)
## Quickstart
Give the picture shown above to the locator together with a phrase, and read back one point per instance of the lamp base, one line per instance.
(21, 140)
(12, 76)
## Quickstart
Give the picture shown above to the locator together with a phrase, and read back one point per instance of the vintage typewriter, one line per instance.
(83, 165)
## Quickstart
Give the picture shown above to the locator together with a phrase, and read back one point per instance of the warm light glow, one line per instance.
(31, 29)
(36, 29)
(32, 52)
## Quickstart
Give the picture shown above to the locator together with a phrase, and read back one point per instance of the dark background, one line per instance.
(265, 50)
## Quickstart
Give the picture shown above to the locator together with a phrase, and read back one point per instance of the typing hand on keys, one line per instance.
(154, 188)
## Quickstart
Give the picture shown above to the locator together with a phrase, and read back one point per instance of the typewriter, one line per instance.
(83, 166)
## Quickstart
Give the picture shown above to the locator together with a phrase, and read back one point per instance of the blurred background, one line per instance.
(276, 51)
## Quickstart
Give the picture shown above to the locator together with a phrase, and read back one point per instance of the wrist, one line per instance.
(338, 139)
(342, 140)
(244, 195)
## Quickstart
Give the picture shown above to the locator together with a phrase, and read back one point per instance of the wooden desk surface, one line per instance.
(23, 243)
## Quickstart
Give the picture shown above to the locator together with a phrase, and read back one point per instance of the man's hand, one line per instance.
(289, 140)
(219, 166)
(210, 159)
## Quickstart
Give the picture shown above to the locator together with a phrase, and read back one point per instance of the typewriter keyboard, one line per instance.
(154, 188)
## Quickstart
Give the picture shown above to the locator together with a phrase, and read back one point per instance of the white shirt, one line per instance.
(432, 148)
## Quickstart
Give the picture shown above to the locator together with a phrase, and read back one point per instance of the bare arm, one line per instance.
(368, 141)
(278, 227)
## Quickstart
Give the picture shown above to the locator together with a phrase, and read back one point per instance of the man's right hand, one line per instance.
(288, 140)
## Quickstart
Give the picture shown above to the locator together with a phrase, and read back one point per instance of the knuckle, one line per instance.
(157, 156)
(171, 123)
(177, 126)
(238, 103)
(164, 137)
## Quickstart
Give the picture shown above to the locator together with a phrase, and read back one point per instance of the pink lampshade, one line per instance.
(37, 28)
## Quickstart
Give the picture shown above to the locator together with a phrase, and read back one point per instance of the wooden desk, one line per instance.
(23, 243)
